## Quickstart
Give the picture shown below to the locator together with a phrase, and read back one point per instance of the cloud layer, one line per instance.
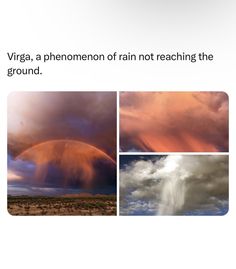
(35, 117)
(173, 185)
(174, 121)
(61, 140)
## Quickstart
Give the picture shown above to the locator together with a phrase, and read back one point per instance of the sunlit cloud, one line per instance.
(61, 140)
(11, 176)
(174, 121)
(174, 185)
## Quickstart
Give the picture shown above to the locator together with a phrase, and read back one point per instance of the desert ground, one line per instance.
(95, 205)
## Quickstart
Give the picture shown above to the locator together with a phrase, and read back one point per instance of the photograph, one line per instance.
(174, 185)
(62, 153)
(173, 122)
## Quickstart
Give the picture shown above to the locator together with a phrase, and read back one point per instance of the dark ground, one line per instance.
(62, 206)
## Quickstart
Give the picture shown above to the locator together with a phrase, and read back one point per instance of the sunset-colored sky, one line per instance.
(61, 142)
(174, 121)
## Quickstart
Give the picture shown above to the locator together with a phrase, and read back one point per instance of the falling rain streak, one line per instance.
(72, 157)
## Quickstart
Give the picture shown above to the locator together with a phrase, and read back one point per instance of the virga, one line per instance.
(19, 57)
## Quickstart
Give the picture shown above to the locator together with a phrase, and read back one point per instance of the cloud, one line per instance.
(174, 121)
(19, 171)
(35, 117)
(175, 184)
(72, 161)
(12, 176)
(61, 140)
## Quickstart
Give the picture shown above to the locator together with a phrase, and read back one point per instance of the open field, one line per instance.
(62, 206)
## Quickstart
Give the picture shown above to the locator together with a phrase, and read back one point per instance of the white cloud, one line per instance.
(175, 185)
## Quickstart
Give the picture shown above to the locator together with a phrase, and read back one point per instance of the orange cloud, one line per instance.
(174, 121)
(72, 157)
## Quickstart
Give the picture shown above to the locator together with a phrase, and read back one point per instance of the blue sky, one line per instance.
(173, 185)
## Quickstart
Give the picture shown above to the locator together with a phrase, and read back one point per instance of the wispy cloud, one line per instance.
(174, 121)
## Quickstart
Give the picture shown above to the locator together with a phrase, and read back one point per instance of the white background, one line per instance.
(122, 26)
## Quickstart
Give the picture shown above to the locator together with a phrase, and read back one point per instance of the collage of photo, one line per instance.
(118, 153)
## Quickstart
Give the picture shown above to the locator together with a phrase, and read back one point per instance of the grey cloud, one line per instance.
(176, 185)
(35, 117)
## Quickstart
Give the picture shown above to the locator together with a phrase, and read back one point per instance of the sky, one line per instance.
(173, 122)
(61, 143)
(173, 185)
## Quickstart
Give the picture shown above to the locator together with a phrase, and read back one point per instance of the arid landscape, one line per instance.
(93, 205)
(62, 153)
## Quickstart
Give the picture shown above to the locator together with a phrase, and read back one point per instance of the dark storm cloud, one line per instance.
(61, 141)
(21, 179)
(85, 116)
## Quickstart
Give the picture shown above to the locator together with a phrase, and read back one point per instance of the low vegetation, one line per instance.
(62, 206)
